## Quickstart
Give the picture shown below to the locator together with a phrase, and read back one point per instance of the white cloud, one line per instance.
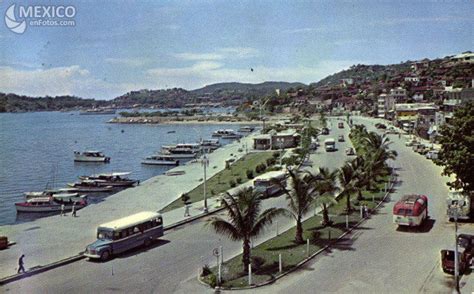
(71, 80)
(410, 20)
(305, 30)
(204, 73)
(132, 62)
(219, 54)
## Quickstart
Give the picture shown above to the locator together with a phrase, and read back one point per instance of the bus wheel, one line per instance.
(104, 256)
(147, 242)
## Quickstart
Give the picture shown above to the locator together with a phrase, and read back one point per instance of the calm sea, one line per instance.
(36, 150)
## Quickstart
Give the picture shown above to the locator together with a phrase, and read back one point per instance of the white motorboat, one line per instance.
(160, 160)
(114, 179)
(226, 134)
(52, 203)
(90, 186)
(210, 144)
(246, 129)
(90, 156)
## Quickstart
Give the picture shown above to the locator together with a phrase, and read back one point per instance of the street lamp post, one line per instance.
(453, 212)
(205, 164)
(261, 116)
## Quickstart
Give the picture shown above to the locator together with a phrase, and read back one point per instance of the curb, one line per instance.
(301, 263)
(43, 268)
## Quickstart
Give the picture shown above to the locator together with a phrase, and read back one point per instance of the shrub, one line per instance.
(205, 271)
(249, 174)
(212, 280)
(257, 262)
(232, 183)
(238, 180)
(276, 155)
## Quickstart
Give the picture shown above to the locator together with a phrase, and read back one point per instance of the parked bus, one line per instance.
(126, 233)
(330, 144)
(270, 183)
(410, 210)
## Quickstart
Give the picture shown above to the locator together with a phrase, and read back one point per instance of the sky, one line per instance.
(119, 46)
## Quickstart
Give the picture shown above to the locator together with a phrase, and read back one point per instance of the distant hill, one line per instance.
(364, 72)
(19, 103)
(265, 87)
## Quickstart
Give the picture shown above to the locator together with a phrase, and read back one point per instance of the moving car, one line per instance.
(350, 151)
(340, 138)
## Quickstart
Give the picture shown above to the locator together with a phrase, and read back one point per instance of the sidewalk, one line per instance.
(55, 238)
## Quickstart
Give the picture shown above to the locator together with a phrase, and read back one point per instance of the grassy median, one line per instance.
(235, 174)
(266, 255)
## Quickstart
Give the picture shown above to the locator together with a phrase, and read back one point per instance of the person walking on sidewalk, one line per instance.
(62, 210)
(21, 268)
(74, 209)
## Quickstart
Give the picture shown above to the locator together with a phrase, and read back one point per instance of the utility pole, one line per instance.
(205, 164)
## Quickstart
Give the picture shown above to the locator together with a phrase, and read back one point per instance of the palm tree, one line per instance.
(300, 197)
(246, 220)
(326, 187)
(347, 178)
(358, 165)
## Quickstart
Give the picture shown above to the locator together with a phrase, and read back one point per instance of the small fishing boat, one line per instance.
(90, 156)
(114, 179)
(171, 132)
(52, 203)
(160, 160)
(90, 186)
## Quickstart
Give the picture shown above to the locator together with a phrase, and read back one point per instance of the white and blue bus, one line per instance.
(270, 184)
(126, 233)
(330, 144)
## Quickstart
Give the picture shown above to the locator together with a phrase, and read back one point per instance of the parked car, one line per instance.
(465, 254)
(432, 154)
(325, 131)
(380, 126)
(340, 138)
(410, 143)
(350, 151)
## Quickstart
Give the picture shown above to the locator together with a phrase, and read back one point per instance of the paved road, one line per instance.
(379, 258)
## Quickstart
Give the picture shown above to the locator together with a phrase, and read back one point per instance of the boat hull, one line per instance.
(91, 159)
(22, 207)
(160, 162)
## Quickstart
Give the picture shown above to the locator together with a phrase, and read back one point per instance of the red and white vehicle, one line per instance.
(410, 210)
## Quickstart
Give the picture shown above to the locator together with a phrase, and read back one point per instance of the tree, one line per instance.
(246, 220)
(457, 148)
(300, 197)
(326, 187)
(347, 179)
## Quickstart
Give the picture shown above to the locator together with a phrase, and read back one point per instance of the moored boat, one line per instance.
(90, 156)
(210, 144)
(52, 203)
(97, 111)
(246, 129)
(114, 179)
(91, 186)
(160, 160)
(226, 134)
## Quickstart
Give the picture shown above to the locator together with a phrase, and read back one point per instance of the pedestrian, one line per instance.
(62, 210)
(21, 268)
(366, 211)
(74, 209)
